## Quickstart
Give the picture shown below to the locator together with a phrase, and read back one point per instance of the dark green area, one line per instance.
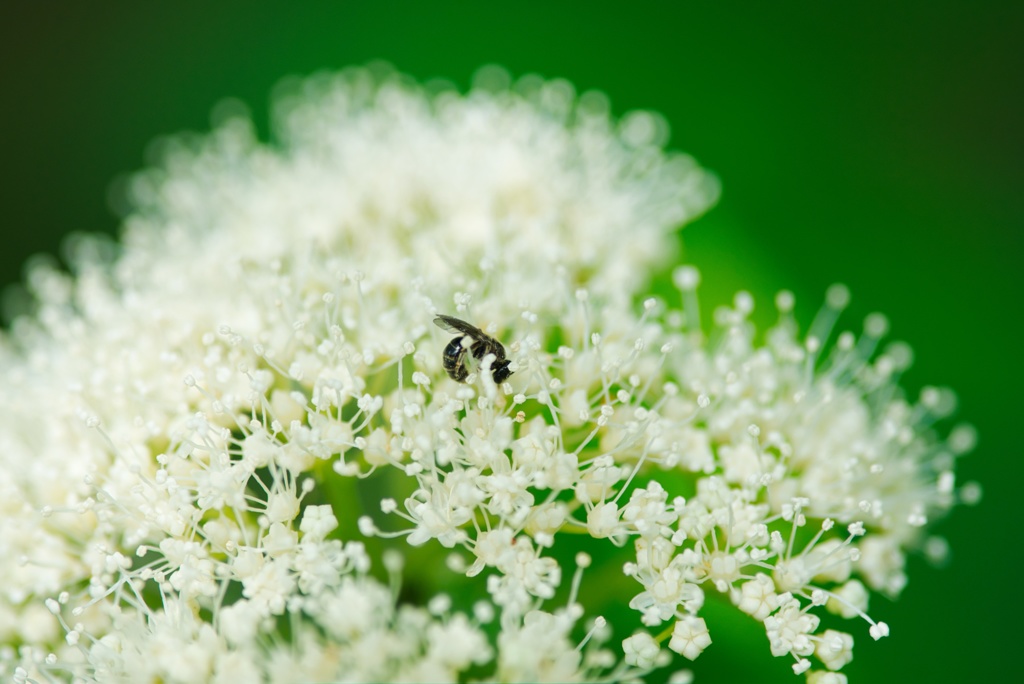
(875, 143)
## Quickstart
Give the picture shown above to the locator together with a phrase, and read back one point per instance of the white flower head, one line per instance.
(198, 424)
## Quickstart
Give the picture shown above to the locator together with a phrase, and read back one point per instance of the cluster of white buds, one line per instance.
(211, 433)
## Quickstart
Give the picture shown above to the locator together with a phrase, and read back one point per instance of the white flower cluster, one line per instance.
(202, 428)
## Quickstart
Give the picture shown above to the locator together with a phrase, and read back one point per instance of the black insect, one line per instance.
(474, 341)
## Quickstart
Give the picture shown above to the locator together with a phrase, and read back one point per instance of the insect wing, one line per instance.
(457, 325)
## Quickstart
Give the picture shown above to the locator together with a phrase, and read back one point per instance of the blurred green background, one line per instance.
(875, 143)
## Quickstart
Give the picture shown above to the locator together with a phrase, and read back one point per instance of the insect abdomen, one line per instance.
(454, 360)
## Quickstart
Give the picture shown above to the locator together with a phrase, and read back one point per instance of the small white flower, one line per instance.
(834, 649)
(849, 600)
(790, 628)
(317, 522)
(690, 637)
(457, 644)
(758, 597)
(641, 650)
